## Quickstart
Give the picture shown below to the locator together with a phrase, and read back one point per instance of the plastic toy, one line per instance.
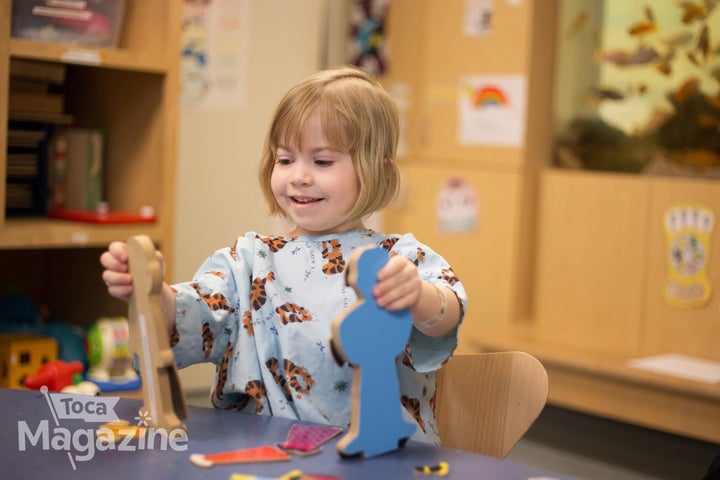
(370, 338)
(110, 363)
(164, 405)
(439, 470)
(82, 388)
(54, 375)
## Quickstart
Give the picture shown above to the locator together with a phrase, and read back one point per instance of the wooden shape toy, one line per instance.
(370, 338)
(164, 404)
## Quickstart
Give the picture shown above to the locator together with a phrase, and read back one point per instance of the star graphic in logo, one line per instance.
(143, 418)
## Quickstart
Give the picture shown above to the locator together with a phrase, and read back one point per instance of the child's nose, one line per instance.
(301, 175)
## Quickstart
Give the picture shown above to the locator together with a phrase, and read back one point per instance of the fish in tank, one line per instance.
(637, 86)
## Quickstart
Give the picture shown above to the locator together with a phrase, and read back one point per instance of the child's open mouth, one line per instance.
(305, 199)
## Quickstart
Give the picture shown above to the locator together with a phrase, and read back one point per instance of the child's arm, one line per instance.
(119, 281)
(399, 286)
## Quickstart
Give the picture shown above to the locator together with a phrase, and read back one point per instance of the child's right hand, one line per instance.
(116, 275)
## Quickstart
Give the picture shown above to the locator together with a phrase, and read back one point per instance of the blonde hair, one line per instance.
(357, 116)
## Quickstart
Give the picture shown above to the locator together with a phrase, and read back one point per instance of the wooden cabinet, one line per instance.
(132, 93)
(568, 265)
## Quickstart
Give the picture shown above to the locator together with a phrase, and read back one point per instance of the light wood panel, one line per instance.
(450, 54)
(479, 258)
(591, 258)
(693, 331)
(603, 384)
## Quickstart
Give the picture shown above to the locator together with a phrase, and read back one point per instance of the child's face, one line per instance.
(317, 186)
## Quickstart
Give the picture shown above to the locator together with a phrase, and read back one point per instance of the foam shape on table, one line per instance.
(370, 338)
(308, 439)
(264, 453)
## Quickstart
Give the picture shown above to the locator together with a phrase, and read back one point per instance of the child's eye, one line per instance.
(283, 161)
(323, 163)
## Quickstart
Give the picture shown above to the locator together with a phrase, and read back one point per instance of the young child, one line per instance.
(261, 310)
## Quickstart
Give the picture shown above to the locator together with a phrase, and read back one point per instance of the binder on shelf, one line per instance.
(77, 172)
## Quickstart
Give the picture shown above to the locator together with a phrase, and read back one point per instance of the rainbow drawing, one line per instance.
(488, 95)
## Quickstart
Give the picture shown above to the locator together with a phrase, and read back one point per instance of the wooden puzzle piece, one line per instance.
(115, 431)
(370, 338)
(164, 404)
(265, 453)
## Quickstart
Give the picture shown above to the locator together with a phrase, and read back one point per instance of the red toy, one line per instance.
(54, 375)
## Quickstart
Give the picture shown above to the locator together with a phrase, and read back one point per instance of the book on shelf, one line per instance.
(77, 172)
(43, 117)
(28, 85)
(22, 165)
(19, 197)
(36, 102)
(50, 72)
(35, 92)
(24, 137)
(26, 168)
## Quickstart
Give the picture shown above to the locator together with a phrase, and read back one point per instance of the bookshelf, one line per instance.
(131, 92)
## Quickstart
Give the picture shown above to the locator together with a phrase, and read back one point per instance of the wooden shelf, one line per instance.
(131, 92)
(603, 384)
(106, 58)
(49, 233)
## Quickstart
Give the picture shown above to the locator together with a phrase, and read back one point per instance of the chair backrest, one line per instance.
(487, 401)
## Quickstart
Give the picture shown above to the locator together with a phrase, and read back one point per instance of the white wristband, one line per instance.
(441, 313)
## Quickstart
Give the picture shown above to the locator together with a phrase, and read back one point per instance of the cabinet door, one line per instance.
(591, 259)
(691, 330)
(480, 257)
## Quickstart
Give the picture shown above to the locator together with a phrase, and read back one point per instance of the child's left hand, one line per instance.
(399, 285)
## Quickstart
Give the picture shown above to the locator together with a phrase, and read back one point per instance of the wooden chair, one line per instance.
(487, 401)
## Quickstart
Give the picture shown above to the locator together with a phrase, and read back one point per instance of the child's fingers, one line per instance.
(398, 285)
(115, 258)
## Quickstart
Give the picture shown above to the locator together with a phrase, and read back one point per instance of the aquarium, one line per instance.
(637, 86)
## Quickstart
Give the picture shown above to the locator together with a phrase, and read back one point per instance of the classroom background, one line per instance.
(562, 154)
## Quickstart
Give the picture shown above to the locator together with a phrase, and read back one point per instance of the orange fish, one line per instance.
(687, 90)
(692, 12)
(578, 24)
(703, 44)
(665, 68)
(642, 28)
(642, 55)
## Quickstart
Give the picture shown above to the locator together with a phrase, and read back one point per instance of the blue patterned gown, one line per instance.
(262, 311)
